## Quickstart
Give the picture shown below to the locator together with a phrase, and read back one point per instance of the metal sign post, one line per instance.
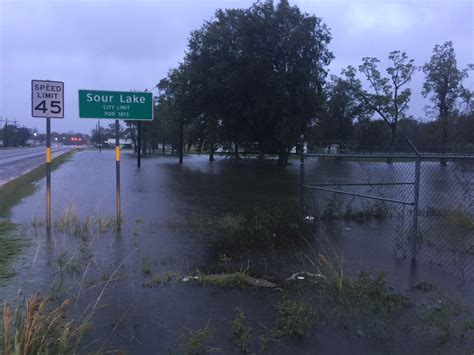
(48, 174)
(117, 172)
(47, 100)
(139, 144)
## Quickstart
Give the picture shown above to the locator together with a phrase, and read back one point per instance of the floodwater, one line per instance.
(104, 273)
(446, 203)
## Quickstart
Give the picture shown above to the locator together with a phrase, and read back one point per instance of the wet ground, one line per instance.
(131, 282)
(15, 162)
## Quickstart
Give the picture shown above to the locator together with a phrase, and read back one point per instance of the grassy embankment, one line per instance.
(12, 193)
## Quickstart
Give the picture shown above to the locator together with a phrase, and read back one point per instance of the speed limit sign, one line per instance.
(47, 98)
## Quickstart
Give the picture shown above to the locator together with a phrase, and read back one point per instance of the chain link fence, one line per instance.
(418, 206)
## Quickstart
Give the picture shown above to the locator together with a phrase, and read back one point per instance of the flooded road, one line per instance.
(136, 275)
(15, 162)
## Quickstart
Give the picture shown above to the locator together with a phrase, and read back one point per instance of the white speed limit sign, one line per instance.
(47, 98)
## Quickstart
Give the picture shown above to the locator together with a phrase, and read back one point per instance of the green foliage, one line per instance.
(443, 80)
(295, 319)
(232, 225)
(460, 219)
(369, 295)
(443, 319)
(10, 246)
(443, 85)
(336, 209)
(242, 334)
(197, 341)
(388, 98)
(233, 280)
(146, 265)
(155, 281)
(38, 328)
(251, 76)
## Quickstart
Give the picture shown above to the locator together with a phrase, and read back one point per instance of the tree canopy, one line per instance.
(253, 77)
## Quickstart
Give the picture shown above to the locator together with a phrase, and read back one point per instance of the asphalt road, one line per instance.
(15, 162)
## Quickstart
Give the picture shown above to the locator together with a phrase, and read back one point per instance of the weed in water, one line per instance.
(146, 265)
(295, 319)
(155, 281)
(105, 223)
(39, 330)
(231, 225)
(367, 295)
(241, 332)
(234, 280)
(10, 245)
(460, 219)
(197, 341)
(66, 221)
(198, 222)
(442, 319)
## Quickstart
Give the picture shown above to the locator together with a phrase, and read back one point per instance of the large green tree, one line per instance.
(258, 75)
(389, 96)
(342, 108)
(443, 85)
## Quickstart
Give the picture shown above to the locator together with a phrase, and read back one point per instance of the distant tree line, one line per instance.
(257, 80)
(12, 135)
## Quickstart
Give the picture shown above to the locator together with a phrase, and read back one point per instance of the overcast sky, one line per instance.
(125, 45)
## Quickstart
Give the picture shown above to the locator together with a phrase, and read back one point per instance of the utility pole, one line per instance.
(100, 141)
(5, 137)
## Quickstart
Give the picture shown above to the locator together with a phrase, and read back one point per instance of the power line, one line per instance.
(254, 4)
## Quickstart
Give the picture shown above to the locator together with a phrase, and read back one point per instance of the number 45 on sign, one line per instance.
(47, 98)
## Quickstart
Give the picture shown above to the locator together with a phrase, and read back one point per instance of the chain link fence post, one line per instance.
(302, 177)
(416, 201)
(414, 236)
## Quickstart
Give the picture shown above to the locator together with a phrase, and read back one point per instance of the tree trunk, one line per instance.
(444, 139)
(261, 151)
(282, 155)
(181, 140)
(211, 153)
(236, 151)
(392, 141)
(163, 147)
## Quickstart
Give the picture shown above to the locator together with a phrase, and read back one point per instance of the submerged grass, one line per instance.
(241, 333)
(37, 328)
(14, 191)
(197, 341)
(295, 319)
(10, 246)
(233, 280)
(10, 194)
(445, 320)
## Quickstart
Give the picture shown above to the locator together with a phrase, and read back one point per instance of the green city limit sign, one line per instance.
(116, 105)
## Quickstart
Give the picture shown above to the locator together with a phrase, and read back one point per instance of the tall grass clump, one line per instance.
(241, 333)
(37, 328)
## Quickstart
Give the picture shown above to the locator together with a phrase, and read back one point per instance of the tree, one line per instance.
(257, 76)
(443, 84)
(388, 99)
(342, 108)
(176, 89)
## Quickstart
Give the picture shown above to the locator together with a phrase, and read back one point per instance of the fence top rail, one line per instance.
(390, 156)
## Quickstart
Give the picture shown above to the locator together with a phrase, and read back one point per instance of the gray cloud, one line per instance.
(123, 45)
